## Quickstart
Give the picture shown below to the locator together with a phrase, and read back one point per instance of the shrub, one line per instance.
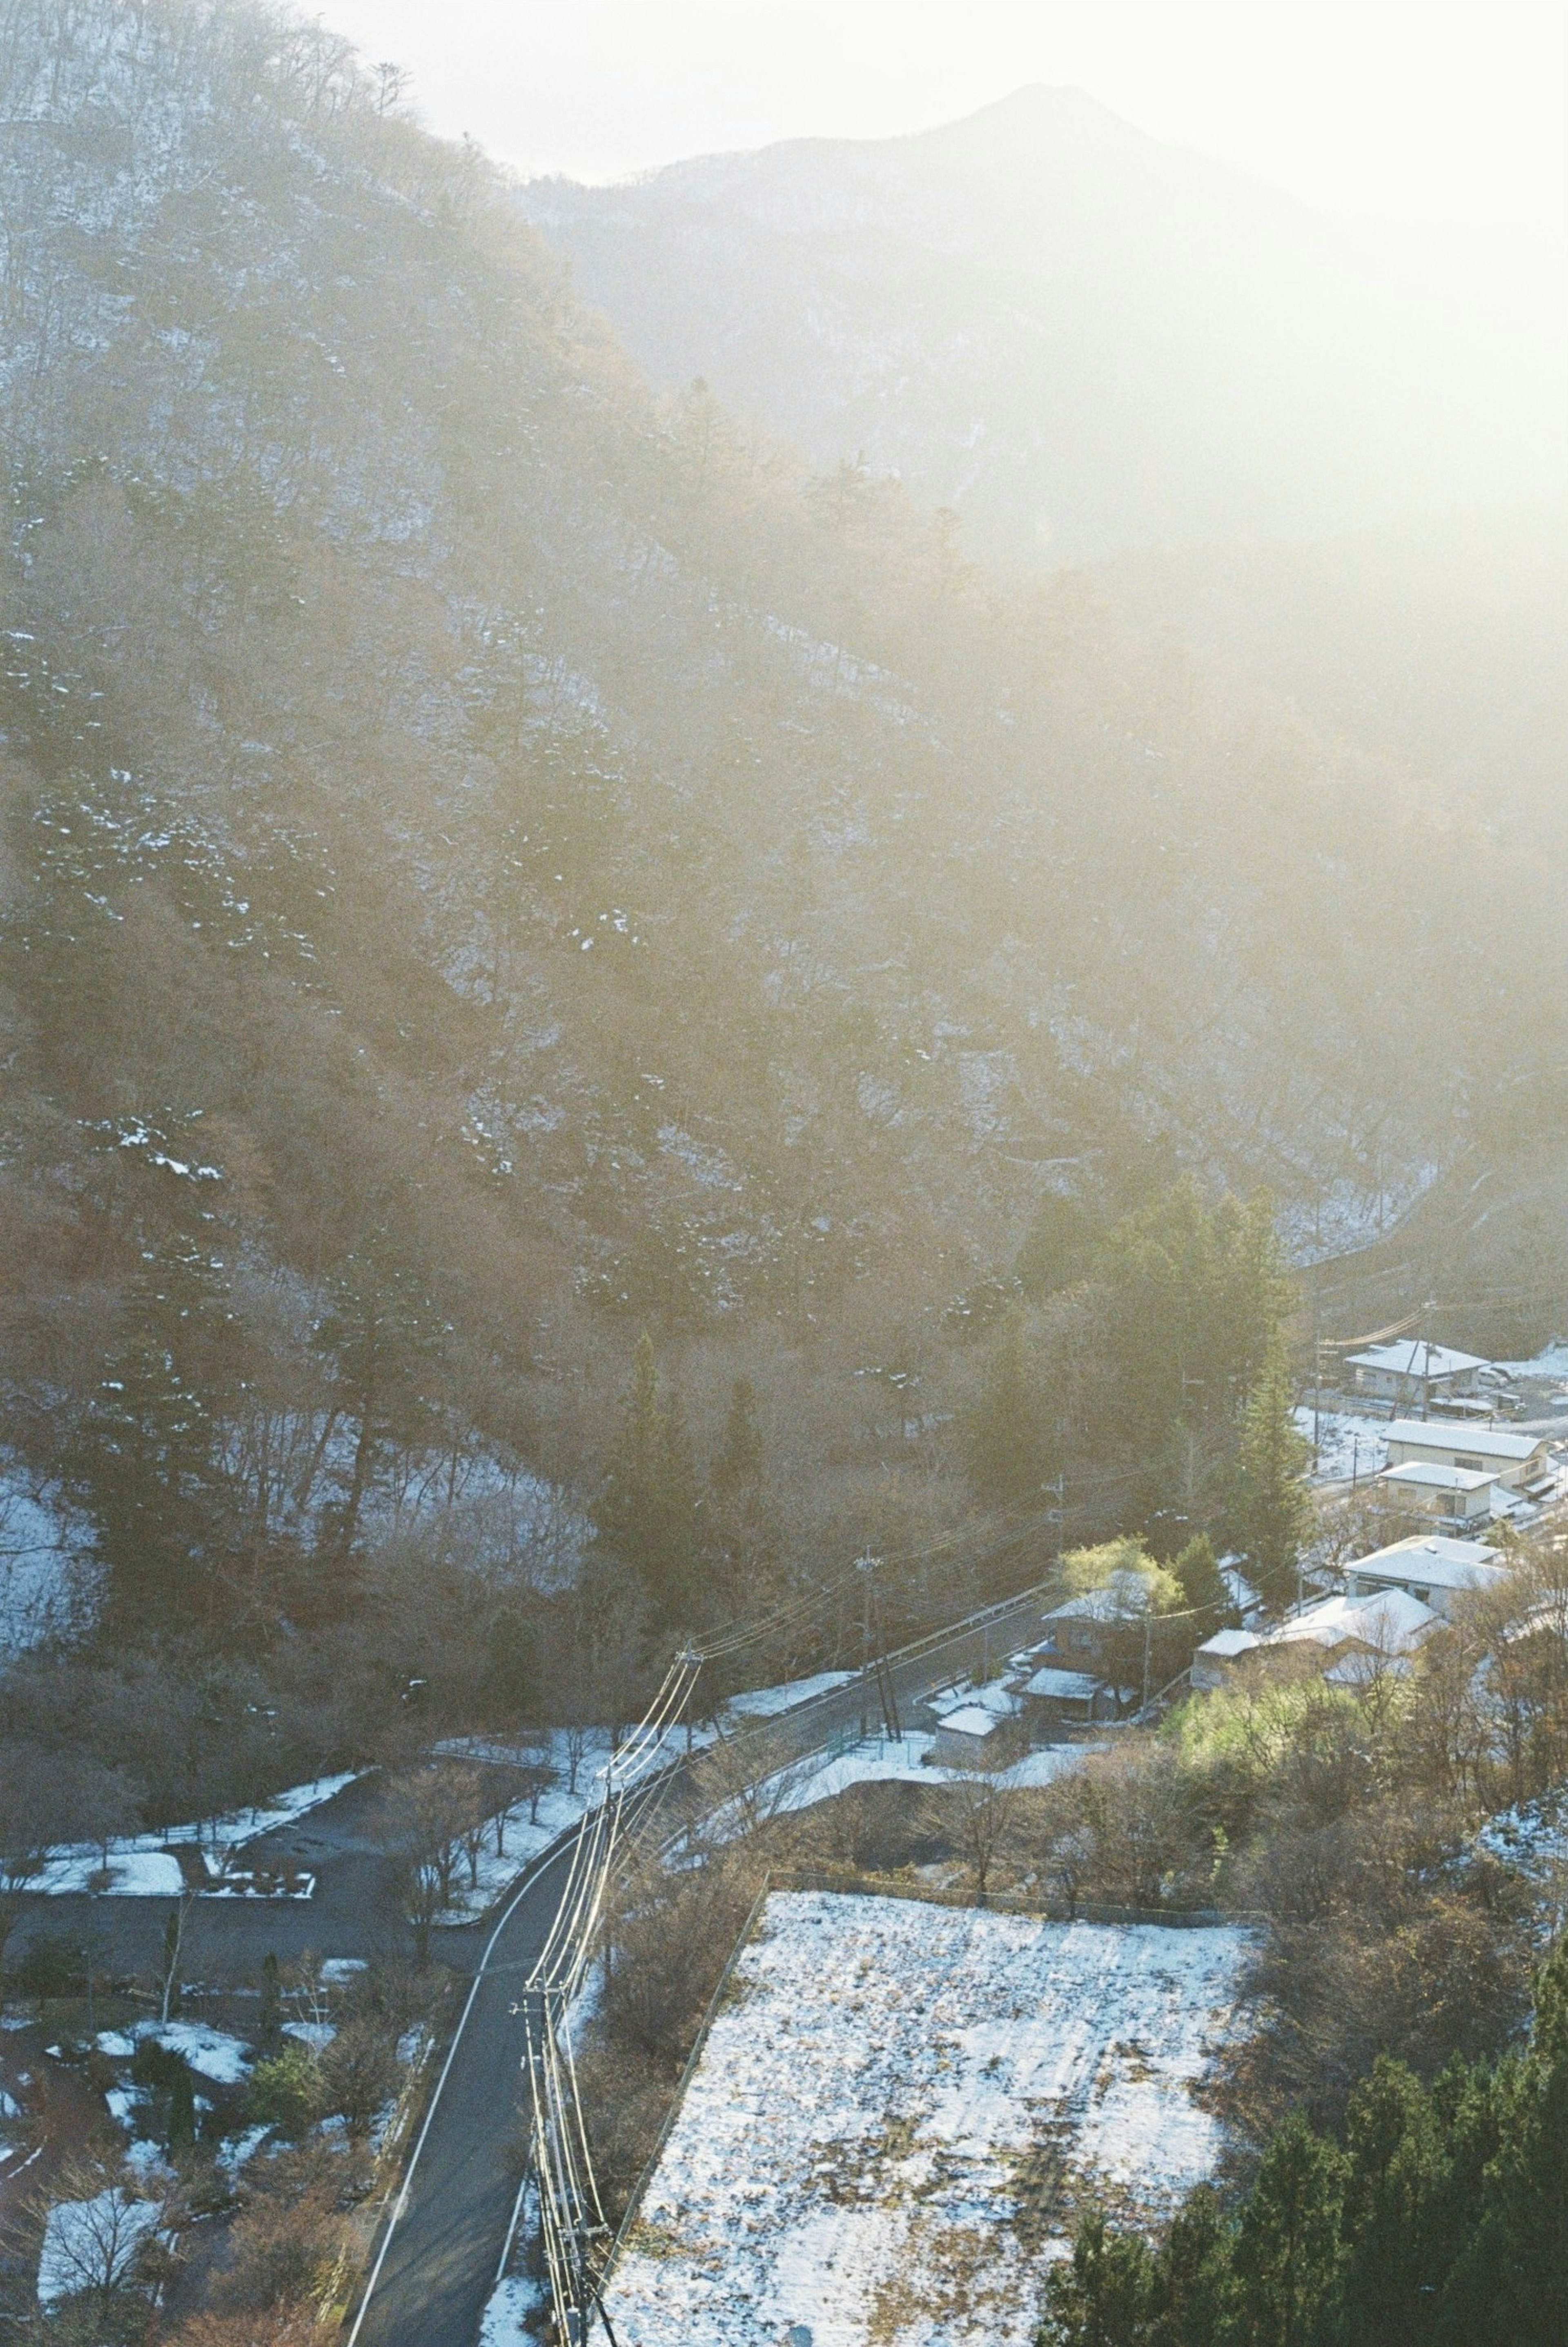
(286, 2091)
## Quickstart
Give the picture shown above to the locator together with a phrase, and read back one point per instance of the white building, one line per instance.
(1414, 1371)
(1351, 1635)
(1429, 1568)
(970, 1737)
(1456, 1495)
(1517, 1461)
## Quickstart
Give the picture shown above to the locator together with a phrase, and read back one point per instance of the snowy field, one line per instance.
(1347, 1444)
(898, 2110)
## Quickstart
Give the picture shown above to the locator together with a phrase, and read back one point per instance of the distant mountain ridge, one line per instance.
(1081, 337)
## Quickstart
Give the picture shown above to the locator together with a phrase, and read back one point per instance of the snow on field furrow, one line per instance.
(848, 2151)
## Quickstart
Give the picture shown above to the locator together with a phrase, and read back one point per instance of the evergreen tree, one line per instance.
(1510, 2289)
(1192, 2285)
(386, 1339)
(742, 1523)
(1286, 2257)
(647, 1514)
(1104, 2298)
(1056, 1248)
(1204, 1590)
(1008, 1444)
(1398, 2246)
(147, 1463)
(1273, 1507)
(738, 1466)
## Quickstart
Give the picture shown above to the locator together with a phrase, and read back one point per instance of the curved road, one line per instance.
(436, 2263)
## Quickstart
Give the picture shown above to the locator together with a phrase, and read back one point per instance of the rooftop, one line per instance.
(1226, 1644)
(1391, 1621)
(1485, 1441)
(1432, 1475)
(971, 1720)
(1439, 1563)
(1413, 1357)
(1065, 1686)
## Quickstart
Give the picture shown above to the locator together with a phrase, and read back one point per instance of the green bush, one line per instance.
(286, 2091)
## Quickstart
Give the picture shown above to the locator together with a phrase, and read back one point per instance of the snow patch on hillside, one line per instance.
(887, 2081)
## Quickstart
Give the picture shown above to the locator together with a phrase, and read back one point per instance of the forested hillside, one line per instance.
(496, 861)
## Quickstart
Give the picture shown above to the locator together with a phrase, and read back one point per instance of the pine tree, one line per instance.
(1287, 2247)
(1273, 1507)
(384, 1338)
(1008, 1446)
(1192, 2287)
(648, 1513)
(742, 1524)
(738, 1466)
(1104, 2297)
(1399, 2248)
(1512, 2286)
(1204, 1590)
(147, 1463)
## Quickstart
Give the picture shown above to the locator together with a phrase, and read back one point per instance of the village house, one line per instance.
(1520, 1462)
(1455, 1495)
(1414, 1371)
(1346, 1637)
(1431, 1568)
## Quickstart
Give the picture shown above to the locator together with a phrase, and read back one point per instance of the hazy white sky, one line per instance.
(1413, 112)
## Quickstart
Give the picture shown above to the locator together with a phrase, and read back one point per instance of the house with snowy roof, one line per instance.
(1414, 1371)
(1430, 1566)
(1520, 1462)
(1345, 1638)
(1455, 1495)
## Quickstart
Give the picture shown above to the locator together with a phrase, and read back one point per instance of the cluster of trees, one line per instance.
(696, 1552)
(1148, 1361)
(1436, 2217)
(196, 2252)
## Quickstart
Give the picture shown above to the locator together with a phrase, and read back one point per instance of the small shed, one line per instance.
(967, 1739)
(1054, 1698)
(1215, 1660)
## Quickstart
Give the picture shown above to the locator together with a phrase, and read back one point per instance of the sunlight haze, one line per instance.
(1422, 114)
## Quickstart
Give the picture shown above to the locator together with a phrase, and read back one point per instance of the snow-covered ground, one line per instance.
(1347, 1444)
(1532, 1839)
(47, 1576)
(523, 1835)
(878, 1760)
(768, 1703)
(1550, 1365)
(140, 1866)
(88, 2242)
(888, 2080)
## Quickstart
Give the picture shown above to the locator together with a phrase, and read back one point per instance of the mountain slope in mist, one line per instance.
(494, 858)
(1083, 338)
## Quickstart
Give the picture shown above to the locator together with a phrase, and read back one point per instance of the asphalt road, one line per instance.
(439, 2263)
